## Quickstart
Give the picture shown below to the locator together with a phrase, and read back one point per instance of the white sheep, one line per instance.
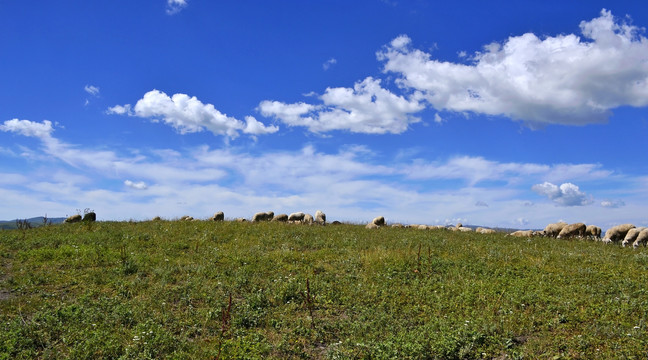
(642, 238)
(572, 230)
(593, 232)
(522, 233)
(219, 216)
(320, 217)
(297, 216)
(554, 229)
(631, 236)
(379, 221)
(280, 217)
(308, 219)
(617, 233)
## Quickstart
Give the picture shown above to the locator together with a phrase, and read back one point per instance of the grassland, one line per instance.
(139, 290)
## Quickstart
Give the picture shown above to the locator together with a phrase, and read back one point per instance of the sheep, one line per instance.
(320, 217)
(379, 221)
(91, 216)
(240, 220)
(371, 226)
(280, 217)
(263, 216)
(631, 236)
(397, 225)
(298, 216)
(422, 227)
(572, 230)
(522, 233)
(157, 218)
(487, 231)
(186, 218)
(219, 216)
(73, 219)
(617, 233)
(464, 229)
(308, 219)
(554, 229)
(593, 232)
(642, 238)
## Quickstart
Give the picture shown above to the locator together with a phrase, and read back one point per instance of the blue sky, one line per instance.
(503, 113)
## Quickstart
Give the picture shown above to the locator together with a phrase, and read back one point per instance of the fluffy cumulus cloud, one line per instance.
(28, 128)
(175, 6)
(566, 194)
(365, 108)
(189, 115)
(564, 79)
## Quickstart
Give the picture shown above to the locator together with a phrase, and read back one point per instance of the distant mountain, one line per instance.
(34, 222)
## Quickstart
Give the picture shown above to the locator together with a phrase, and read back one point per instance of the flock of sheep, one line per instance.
(625, 234)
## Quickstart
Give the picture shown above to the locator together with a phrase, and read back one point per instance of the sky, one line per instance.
(500, 113)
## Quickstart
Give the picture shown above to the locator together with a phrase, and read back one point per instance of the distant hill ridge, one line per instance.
(34, 222)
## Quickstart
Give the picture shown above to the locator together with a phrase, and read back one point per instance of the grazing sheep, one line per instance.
(73, 219)
(240, 220)
(298, 216)
(157, 218)
(464, 229)
(320, 217)
(219, 216)
(91, 216)
(631, 236)
(593, 232)
(308, 219)
(617, 233)
(280, 217)
(186, 218)
(379, 221)
(422, 227)
(572, 230)
(371, 226)
(642, 238)
(487, 231)
(554, 229)
(397, 225)
(522, 233)
(263, 216)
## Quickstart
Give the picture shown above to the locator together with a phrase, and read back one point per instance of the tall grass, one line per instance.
(226, 290)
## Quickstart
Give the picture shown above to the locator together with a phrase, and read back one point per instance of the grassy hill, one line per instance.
(241, 290)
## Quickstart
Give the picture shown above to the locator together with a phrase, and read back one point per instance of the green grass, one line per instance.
(152, 290)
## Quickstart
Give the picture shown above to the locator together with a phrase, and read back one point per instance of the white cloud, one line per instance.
(563, 79)
(612, 203)
(120, 110)
(365, 108)
(330, 62)
(175, 6)
(189, 115)
(28, 128)
(92, 90)
(566, 194)
(141, 185)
